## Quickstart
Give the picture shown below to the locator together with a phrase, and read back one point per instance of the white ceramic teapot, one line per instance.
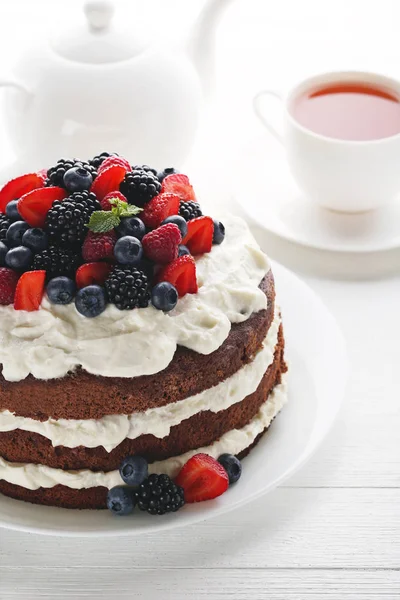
(98, 89)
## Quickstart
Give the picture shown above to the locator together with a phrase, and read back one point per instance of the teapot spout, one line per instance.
(201, 44)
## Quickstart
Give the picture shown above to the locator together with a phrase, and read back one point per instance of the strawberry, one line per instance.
(43, 174)
(182, 274)
(34, 206)
(108, 181)
(19, 186)
(159, 208)
(105, 203)
(200, 233)
(161, 245)
(202, 478)
(92, 273)
(114, 160)
(8, 283)
(99, 246)
(180, 185)
(30, 291)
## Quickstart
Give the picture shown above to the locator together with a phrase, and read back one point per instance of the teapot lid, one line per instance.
(96, 39)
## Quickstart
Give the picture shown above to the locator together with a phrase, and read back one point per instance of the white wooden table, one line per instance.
(334, 530)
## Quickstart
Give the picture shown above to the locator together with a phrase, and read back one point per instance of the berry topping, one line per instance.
(161, 245)
(30, 291)
(105, 220)
(66, 221)
(19, 258)
(131, 226)
(144, 168)
(8, 284)
(180, 185)
(36, 239)
(34, 206)
(164, 296)
(3, 252)
(200, 235)
(55, 175)
(140, 186)
(120, 500)
(112, 161)
(159, 208)
(15, 233)
(92, 273)
(61, 290)
(202, 478)
(19, 186)
(106, 203)
(128, 250)
(189, 210)
(77, 179)
(4, 225)
(219, 232)
(167, 171)
(90, 301)
(232, 466)
(182, 274)
(57, 261)
(99, 246)
(12, 211)
(180, 221)
(108, 181)
(134, 470)
(159, 495)
(98, 160)
(128, 287)
(183, 250)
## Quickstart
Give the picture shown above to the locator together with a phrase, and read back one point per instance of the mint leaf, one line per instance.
(102, 221)
(130, 211)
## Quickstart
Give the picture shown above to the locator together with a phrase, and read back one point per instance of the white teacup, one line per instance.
(342, 175)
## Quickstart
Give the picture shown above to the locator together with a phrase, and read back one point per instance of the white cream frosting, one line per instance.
(111, 430)
(32, 476)
(54, 340)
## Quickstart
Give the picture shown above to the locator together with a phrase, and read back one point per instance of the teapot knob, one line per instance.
(99, 14)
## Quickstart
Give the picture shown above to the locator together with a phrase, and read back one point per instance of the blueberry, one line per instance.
(120, 500)
(15, 233)
(131, 226)
(164, 296)
(182, 250)
(77, 179)
(128, 250)
(61, 290)
(134, 470)
(177, 220)
(12, 211)
(167, 171)
(36, 239)
(232, 466)
(3, 252)
(219, 232)
(19, 258)
(90, 301)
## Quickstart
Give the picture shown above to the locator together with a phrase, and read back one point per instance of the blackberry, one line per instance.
(140, 186)
(66, 221)
(158, 495)
(189, 210)
(98, 160)
(4, 225)
(56, 262)
(128, 288)
(55, 175)
(145, 168)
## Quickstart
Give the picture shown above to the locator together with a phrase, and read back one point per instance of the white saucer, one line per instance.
(265, 191)
(316, 393)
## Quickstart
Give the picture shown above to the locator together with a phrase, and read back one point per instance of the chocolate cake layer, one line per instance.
(81, 395)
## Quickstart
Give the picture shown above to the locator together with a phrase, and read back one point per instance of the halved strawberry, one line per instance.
(43, 174)
(19, 186)
(202, 478)
(108, 181)
(30, 291)
(180, 185)
(114, 160)
(34, 206)
(92, 273)
(181, 272)
(159, 208)
(200, 235)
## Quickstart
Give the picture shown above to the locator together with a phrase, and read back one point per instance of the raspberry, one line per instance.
(99, 246)
(114, 160)
(159, 208)
(105, 203)
(161, 245)
(8, 284)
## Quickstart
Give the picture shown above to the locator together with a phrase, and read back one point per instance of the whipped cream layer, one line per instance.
(54, 340)
(33, 477)
(111, 430)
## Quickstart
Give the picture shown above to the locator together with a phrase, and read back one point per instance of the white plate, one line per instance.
(317, 376)
(269, 197)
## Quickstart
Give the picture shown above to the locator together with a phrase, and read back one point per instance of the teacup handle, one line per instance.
(258, 109)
